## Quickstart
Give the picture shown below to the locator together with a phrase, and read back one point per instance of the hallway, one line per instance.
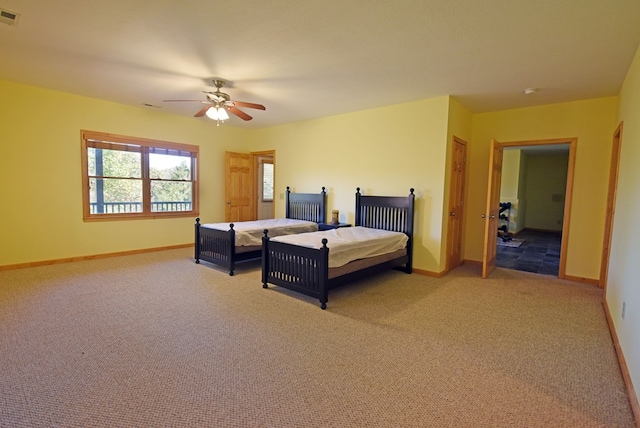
(538, 253)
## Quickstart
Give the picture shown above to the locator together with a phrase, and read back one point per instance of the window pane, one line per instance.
(267, 181)
(113, 196)
(169, 167)
(114, 163)
(171, 196)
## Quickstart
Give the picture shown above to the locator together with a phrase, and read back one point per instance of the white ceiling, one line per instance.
(304, 59)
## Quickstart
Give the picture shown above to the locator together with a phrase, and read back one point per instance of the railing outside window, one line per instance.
(136, 207)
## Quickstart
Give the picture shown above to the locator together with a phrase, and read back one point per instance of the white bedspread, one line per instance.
(350, 243)
(251, 232)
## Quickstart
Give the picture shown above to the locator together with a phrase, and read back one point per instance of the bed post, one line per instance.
(323, 211)
(232, 249)
(197, 246)
(287, 212)
(265, 258)
(409, 231)
(358, 213)
(323, 268)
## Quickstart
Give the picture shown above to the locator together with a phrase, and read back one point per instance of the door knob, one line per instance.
(452, 214)
(483, 216)
(228, 202)
(492, 217)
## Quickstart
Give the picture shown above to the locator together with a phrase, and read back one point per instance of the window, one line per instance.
(129, 177)
(267, 181)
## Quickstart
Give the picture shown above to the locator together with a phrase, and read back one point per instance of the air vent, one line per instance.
(9, 18)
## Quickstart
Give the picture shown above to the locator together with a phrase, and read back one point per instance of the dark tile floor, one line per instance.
(539, 253)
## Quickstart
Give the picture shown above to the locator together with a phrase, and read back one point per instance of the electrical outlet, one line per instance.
(624, 307)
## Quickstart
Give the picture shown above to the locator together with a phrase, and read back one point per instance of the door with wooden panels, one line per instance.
(456, 204)
(239, 187)
(492, 211)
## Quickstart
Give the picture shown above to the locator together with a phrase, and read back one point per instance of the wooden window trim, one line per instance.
(144, 146)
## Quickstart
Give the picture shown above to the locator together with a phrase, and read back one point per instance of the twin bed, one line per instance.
(226, 244)
(297, 256)
(314, 263)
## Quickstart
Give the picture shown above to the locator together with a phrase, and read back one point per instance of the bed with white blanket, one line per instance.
(313, 263)
(225, 244)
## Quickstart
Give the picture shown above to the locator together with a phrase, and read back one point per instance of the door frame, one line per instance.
(566, 221)
(611, 205)
(449, 265)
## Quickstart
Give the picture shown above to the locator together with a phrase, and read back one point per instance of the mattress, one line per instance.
(347, 244)
(250, 233)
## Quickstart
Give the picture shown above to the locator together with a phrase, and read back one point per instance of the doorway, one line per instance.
(264, 186)
(538, 243)
(532, 194)
(249, 185)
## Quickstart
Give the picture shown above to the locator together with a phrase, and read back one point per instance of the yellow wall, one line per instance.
(546, 178)
(384, 151)
(509, 188)
(459, 126)
(510, 175)
(40, 178)
(624, 268)
(592, 122)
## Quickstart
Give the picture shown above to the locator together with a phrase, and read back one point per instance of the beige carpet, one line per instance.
(155, 340)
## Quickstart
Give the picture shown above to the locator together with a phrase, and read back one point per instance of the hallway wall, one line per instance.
(592, 122)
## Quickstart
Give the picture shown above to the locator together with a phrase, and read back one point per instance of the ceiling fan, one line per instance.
(218, 104)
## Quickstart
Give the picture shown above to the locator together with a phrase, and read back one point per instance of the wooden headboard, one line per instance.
(393, 213)
(307, 206)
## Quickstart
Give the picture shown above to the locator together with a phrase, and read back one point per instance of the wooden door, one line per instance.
(492, 211)
(456, 203)
(611, 206)
(239, 184)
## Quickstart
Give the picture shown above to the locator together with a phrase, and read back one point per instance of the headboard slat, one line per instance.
(306, 206)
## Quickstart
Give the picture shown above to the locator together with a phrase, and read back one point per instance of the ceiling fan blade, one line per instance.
(242, 115)
(202, 111)
(249, 105)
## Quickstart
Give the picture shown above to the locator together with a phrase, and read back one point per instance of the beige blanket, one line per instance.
(251, 232)
(350, 243)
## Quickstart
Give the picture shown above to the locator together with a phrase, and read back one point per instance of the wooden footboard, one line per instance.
(297, 268)
(218, 247)
(306, 270)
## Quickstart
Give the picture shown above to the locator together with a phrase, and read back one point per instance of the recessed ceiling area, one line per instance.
(304, 60)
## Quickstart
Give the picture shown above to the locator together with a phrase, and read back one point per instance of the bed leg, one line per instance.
(323, 305)
(197, 261)
(230, 273)
(265, 285)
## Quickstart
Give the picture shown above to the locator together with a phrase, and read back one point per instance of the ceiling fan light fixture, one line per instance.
(217, 113)
(222, 114)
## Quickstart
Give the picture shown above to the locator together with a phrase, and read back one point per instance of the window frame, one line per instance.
(91, 139)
